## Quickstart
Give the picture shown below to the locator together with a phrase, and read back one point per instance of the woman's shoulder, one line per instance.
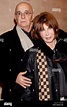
(62, 46)
(62, 34)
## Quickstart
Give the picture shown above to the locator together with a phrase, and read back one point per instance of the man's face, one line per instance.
(24, 16)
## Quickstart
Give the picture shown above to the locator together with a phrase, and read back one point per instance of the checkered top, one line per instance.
(44, 94)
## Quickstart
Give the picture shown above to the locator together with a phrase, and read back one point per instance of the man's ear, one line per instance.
(33, 15)
(15, 22)
(15, 18)
(32, 18)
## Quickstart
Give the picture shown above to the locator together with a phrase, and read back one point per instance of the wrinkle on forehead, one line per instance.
(24, 6)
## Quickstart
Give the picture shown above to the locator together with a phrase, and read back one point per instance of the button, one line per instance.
(9, 49)
(21, 99)
(56, 49)
(10, 70)
(1, 40)
(21, 60)
(56, 90)
(9, 89)
(33, 69)
(33, 90)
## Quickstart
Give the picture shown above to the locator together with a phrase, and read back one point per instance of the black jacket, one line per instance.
(11, 58)
(57, 61)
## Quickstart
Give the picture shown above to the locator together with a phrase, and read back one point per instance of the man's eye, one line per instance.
(19, 13)
(26, 12)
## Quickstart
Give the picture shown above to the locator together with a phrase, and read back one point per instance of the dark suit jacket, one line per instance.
(11, 58)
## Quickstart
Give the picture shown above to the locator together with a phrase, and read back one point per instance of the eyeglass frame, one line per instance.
(26, 13)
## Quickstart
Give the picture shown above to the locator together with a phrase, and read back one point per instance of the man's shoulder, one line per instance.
(8, 34)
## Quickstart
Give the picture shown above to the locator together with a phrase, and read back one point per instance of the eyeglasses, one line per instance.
(26, 13)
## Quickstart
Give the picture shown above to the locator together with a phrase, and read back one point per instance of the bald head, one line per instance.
(25, 6)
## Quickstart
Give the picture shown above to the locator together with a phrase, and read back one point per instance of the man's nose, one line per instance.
(23, 15)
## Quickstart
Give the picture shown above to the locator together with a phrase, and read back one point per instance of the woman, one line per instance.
(46, 30)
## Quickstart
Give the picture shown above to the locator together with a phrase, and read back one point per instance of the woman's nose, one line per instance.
(46, 32)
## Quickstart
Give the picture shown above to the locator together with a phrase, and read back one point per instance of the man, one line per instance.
(13, 45)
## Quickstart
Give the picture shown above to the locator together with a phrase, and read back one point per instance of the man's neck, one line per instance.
(27, 29)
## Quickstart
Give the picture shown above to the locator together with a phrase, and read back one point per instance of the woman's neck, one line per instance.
(52, 44)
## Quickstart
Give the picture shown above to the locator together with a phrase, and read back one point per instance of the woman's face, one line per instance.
(47, 34)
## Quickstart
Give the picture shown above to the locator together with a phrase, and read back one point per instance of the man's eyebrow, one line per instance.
(24, 11)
